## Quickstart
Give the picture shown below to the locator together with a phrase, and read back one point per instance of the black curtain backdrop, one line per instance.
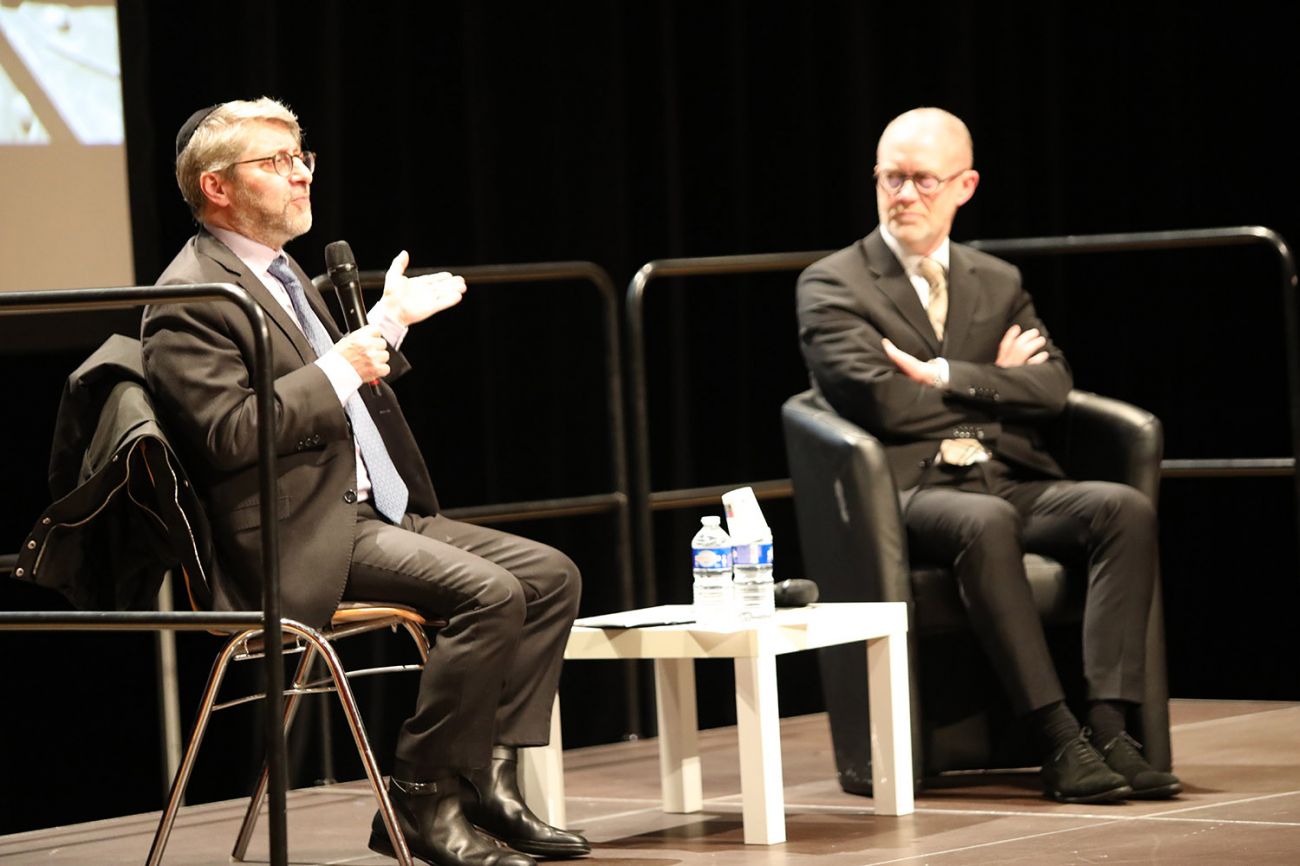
(490, 132)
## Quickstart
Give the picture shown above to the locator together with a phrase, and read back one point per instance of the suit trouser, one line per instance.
(493, 671)
(982, 520)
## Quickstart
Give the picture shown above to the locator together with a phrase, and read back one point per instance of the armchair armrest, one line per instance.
(1103, 439)
(850, 528)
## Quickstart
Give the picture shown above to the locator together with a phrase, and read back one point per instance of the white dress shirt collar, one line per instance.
(909, 260)
(256, 255)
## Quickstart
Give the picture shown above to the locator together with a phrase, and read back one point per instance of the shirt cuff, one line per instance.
(941, 380)
(394, 331)
(343, 377)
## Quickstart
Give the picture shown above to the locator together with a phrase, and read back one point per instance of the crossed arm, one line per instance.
(1017, 348)
(866, 359)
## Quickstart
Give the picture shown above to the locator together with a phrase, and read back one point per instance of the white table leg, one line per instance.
(679, 747)
(891, 725)
(759, 722)
(541, 775)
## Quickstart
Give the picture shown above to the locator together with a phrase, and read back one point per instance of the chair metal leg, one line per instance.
(316, 645)
(168, 819)
(420, 637)
(353, 714)
(300, 676)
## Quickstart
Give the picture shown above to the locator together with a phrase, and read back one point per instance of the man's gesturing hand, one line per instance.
(1021, 347)
(414, 299)
(925, 372)
(367, 351)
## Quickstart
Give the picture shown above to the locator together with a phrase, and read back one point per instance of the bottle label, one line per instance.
(756, 553)
(711, 558)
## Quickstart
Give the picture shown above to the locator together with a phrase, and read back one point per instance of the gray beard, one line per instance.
(275, 231)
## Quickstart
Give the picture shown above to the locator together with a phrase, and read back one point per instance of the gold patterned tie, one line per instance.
(937, 309)
(954, 452)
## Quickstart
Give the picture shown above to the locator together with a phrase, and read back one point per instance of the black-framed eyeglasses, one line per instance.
(283, 161)
(926, 182)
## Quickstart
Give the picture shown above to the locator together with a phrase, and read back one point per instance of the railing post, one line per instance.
(69, 300)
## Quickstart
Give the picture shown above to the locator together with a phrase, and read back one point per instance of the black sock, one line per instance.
(1054, 726)
(1106, 718)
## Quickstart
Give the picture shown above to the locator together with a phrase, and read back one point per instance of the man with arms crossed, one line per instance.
(358, 515)
(935, 349)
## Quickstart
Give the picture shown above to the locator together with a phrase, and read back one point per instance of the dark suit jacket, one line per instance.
(852, 299)
(198, 360)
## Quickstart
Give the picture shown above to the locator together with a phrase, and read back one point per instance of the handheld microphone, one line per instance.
(342, 268)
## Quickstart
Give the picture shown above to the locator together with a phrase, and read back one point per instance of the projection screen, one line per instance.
(65, 219)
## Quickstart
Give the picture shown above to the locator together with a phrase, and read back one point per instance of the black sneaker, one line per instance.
(1124, 755)
(1078, 774)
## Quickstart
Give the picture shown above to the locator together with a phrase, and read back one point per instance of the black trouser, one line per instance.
(494, 669)
(983, 519)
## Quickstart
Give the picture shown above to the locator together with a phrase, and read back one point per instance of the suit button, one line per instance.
(350, 497)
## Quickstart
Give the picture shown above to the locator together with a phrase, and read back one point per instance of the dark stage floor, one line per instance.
(1239, 761)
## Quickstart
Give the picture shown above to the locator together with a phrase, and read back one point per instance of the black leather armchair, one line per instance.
(855, 548)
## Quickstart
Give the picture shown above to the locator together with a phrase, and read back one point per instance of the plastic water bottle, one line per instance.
(753, 585)
(711, 563)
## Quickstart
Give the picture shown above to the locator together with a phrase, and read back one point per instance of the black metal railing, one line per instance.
(632, 499)
(646, 500)
(72, 300)
(1198, 239)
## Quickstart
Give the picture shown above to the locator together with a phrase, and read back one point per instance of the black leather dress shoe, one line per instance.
(490, 798)
(1124, 755)
(1077, 774)
(435, 829)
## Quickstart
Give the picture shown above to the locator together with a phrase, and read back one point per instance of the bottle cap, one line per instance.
(745, 522)
(711, 520)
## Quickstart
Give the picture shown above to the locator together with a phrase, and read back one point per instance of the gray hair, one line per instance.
(216, 142)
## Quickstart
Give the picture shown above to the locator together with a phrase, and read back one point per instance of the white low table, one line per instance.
(754, 646)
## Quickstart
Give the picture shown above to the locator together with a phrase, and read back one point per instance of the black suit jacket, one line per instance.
(852, 299)
(198, 360)
(123, 514)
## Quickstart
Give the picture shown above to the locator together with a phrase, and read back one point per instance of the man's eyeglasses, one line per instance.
(283, 161)
(926, 182)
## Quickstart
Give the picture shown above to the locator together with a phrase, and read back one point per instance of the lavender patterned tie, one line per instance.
(387, 488)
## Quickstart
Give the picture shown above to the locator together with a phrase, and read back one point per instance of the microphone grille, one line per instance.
(339, 255)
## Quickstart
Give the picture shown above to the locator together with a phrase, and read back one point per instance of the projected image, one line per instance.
(67, 221)
(59, 74)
